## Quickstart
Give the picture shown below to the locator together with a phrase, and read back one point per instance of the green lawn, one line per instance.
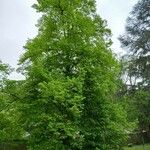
(146, 147)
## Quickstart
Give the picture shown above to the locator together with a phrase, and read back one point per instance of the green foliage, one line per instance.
(136, 41)
(141, 101)
(10, 128)
(4, 70)
(67, 97)
(137, 70)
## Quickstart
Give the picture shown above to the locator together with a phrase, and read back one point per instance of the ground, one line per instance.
(146, 147)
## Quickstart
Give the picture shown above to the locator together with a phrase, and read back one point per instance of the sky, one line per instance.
(18, 19)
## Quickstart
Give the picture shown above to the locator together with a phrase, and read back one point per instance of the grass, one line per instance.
(146, 147)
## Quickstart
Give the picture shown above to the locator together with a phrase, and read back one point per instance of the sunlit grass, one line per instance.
(146, 147)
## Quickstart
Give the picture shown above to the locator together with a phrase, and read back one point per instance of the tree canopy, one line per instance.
(137, 43)
(136, 40)
(70, 71)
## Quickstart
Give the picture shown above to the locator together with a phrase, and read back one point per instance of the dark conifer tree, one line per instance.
(137, 41)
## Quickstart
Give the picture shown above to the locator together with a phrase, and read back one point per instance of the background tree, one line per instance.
(10, 128)
(137, 42)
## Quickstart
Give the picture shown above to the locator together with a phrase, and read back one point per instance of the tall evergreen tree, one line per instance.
(136, 40)
(70, 77)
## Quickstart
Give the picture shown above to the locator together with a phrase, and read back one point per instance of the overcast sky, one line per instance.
(18, 20)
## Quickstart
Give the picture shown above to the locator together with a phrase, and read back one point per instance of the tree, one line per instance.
(4, 71)
(70, 79)
(10, 128)
(136, 41)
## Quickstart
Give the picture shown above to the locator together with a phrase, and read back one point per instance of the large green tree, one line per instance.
(70, 79)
